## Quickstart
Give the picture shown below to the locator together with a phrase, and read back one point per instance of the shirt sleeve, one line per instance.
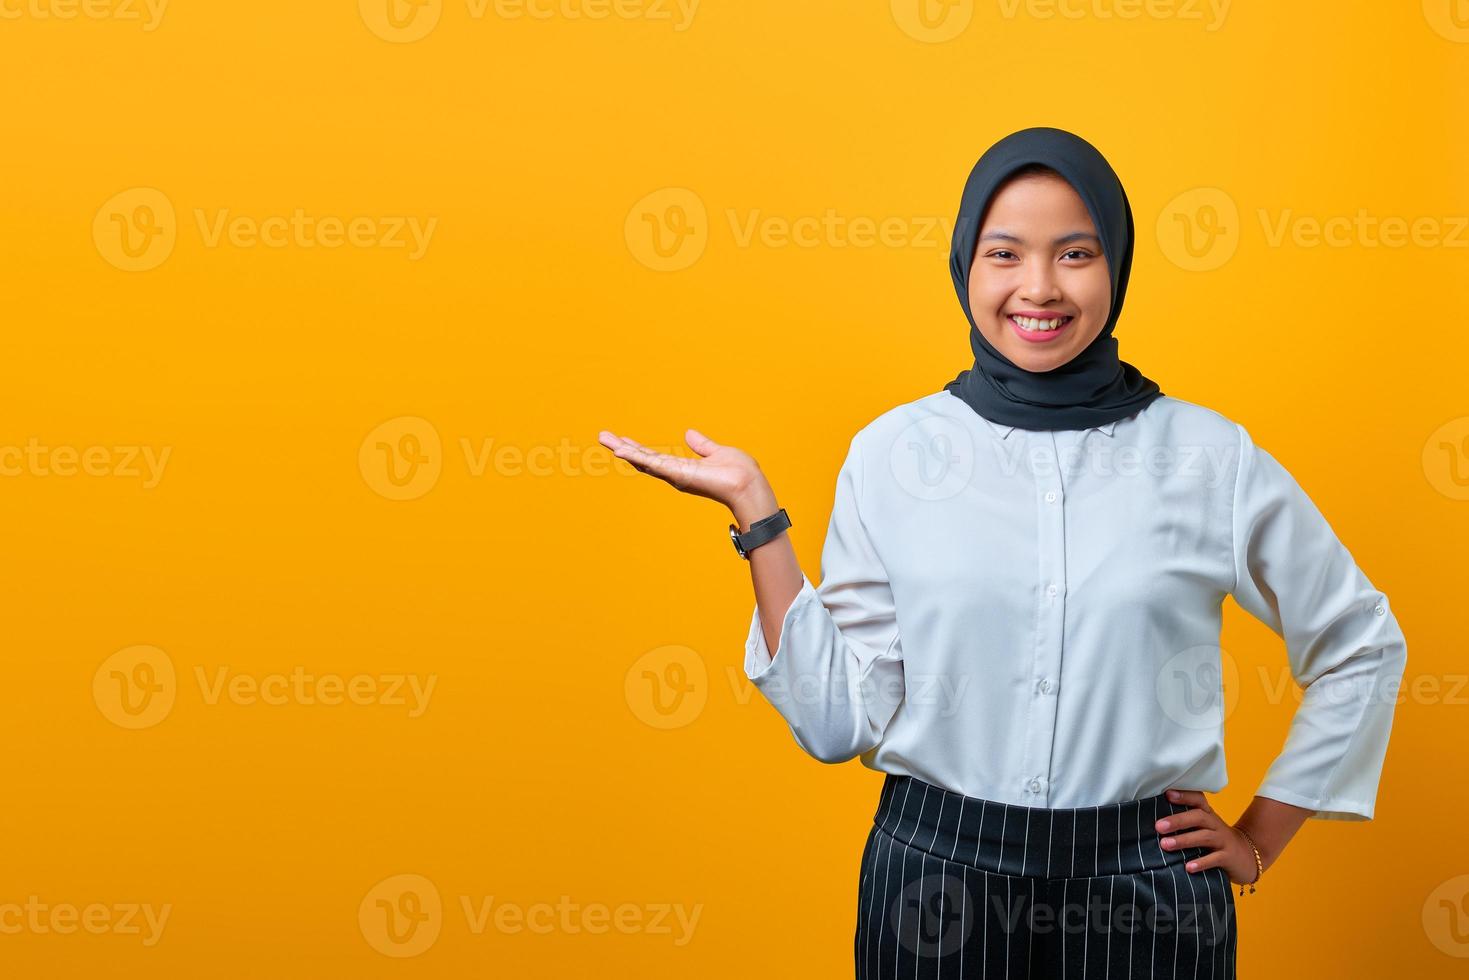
(837, 674)
(1343, 643)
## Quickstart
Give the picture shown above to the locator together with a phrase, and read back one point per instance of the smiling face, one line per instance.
(1039, 262)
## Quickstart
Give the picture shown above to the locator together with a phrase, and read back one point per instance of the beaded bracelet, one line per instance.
(1259, 867)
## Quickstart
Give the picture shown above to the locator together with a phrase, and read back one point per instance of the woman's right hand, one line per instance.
(723, 473)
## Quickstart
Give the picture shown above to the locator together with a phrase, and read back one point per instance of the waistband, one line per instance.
(1039, 842)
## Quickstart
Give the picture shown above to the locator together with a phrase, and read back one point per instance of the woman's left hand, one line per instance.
(1200, 826)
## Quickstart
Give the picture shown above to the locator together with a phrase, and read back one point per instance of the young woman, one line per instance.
(1019, 616)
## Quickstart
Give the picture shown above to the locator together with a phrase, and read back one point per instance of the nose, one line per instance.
(1039, 283)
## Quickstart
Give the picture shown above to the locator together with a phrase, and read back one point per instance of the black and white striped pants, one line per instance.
(955, 886)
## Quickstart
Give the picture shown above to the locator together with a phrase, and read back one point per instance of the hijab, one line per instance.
(1095, 386)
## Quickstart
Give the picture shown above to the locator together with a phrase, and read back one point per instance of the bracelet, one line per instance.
(1259, 867)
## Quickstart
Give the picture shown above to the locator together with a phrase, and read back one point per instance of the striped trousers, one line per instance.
(957, 887)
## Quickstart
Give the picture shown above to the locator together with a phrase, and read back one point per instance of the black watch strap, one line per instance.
(760, 532)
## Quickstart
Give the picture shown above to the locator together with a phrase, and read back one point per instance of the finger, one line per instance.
(1213, 859)
(630, 441)
(644, 460)
(1194, 838)
(1188, 818)
(699, 442)
(677, 471)
(621, 446)
(1191, 797)
(634, 450)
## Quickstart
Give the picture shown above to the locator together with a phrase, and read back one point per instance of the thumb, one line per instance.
(699, 442)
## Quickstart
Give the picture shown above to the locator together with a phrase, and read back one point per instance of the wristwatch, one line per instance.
(760, 532)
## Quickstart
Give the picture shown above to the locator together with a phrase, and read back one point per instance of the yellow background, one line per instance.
(536, 318)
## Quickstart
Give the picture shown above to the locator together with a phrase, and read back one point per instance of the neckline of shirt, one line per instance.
(1003, 431)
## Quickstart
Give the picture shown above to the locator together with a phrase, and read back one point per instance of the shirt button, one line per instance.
(1035, 785)
(1378, 609)
(1050, 496)
(1051, 590)
(1047, 687)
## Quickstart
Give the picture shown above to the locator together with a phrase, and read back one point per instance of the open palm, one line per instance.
(719, 472)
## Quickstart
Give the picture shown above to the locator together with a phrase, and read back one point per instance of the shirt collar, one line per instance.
(1003, 431)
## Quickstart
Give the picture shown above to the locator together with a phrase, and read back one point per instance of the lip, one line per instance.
(1039, 336)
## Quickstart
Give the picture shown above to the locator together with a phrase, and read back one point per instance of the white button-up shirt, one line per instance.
(1033, 617)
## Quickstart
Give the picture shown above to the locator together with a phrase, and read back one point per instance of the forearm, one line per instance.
(774, 571)
(1271, 824)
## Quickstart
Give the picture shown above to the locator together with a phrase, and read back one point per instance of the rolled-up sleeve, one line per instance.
(837, 673)
(1343, 643)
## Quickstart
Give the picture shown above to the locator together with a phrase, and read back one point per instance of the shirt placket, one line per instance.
(1044, 680)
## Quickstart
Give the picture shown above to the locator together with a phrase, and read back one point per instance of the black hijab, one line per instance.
(1095, 386)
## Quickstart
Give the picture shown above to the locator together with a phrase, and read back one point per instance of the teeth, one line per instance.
(1032, 324)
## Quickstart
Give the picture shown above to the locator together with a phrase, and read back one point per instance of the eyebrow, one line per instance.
(1005, 236)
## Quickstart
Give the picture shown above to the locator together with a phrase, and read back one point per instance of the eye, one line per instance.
(1001, 252)
(1079, 252)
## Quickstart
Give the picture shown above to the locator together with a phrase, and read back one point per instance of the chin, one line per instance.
(1039, 365)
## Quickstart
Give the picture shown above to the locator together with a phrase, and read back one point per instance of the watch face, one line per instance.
(734, 535)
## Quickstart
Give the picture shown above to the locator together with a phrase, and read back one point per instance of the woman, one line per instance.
(1019, 615)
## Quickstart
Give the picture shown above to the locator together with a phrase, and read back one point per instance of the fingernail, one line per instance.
(1168, 842)
(1192, 866)
(1162, 824)
(1173, 794)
